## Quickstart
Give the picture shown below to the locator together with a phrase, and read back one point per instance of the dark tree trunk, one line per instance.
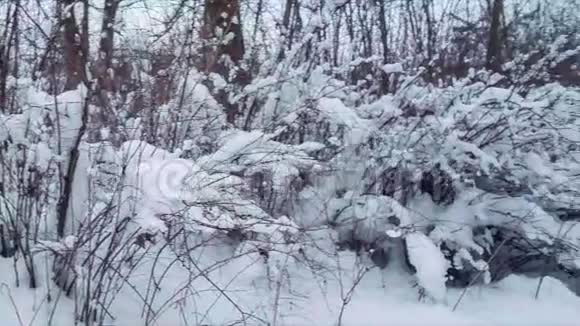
(383, 30)
(106, 46)
(221, 19)
(430, 38)
(296, 26)
(286, 28)
(76, 46)
(494, 47)
(74, 57)
(106, 80)
(5, 45)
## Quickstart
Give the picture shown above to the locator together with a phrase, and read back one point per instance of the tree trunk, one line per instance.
(257, 25)
(296, 26)
(106, 46)
(224, 48)
(74, 57)
(383, 30)
(222, 19)
(430, 38)
(76, 46)
(494, 47)
(104, 73)
(5, 44)
(285, 28)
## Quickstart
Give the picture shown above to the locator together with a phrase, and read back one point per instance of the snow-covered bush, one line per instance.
(150, 164)
(456, 161)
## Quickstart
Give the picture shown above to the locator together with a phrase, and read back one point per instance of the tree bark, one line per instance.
(224, 48)
(285, 28)
(5, 45)
(106, 46)
(74, 58)
(494, 47)
(76, 46)
(383, 30)
(222, 31)
(430, 38)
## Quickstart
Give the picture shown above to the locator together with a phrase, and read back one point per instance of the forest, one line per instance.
(289, 162)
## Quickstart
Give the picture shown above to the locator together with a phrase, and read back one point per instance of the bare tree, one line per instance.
(106, 46)
(222, 31)
(9, 49)
(290, 4)
(224, 47)
(383, 29)
(75, 46)
(495, 43)
(76, 49)
(426, 6)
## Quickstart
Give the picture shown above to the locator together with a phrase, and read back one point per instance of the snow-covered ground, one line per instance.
(300, 297)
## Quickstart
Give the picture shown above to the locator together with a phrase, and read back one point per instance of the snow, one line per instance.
(304, 274)
(538, 166)
(311, 146)
(335, 109)
(381, 298)
(281, 217)
(393, 68)
(430, 264)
